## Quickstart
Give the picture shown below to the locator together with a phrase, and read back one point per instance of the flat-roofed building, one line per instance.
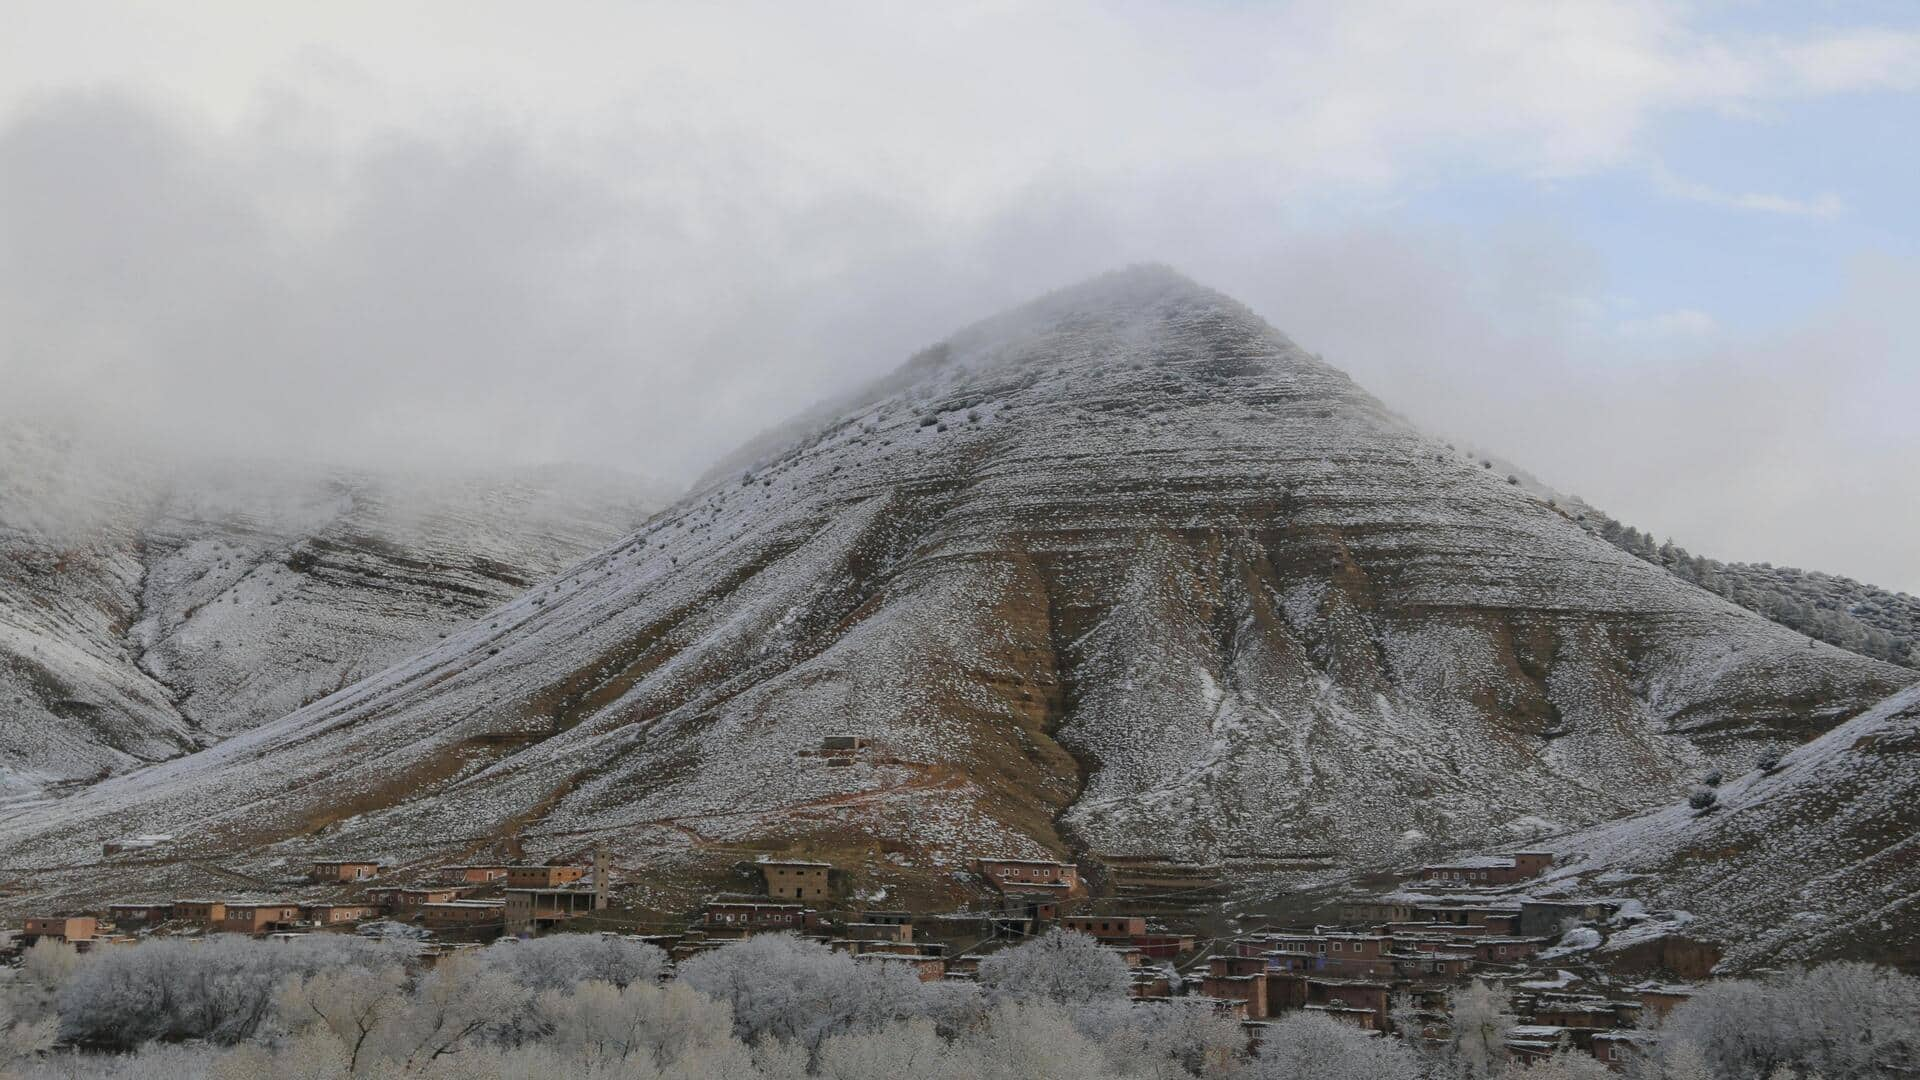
(67, 928)
(463, 915)
(201, 912)
(338, 914)
(799, 879)
(543, 877)
(475, 874)
(1107, 927)
(537, 909)
(259, 918)
(342, 870)
(135, 916)
(1028, 876)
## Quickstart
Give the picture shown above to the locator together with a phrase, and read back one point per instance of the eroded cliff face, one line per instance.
(1123, 573)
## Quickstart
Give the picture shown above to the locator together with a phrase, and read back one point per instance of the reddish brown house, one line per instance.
(338, 914)
(463, 915)
(1507, 869)
(1107, 927)
(67, 928)
(335, 871)
(202, 912)
(1238, 978)
(543, 877)
(1031, 876)
(537, 909)
(134, 916)
(740, 918)
(475, 875)
(259, 918)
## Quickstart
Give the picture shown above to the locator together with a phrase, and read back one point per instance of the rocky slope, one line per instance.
(1815, 857)
(1123, 573)
(154, 614)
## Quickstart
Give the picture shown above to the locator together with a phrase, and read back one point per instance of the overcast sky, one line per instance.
(1665, 256)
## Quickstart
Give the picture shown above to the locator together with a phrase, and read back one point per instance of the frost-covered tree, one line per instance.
(1165, 1040)
(560, 961)
(219, 989)
(1480, 1019)
(789, 988)
(912, 1048)
(1568, 1064)
(1028, 1039)
(1062, 967)
(359, 1007)
(1304, 1044)
(45, 967)
(22, 1039)
(639, 1023)
(1837, 1020)
(458, 1004)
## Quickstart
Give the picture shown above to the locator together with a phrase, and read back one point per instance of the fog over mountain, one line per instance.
(379, 239)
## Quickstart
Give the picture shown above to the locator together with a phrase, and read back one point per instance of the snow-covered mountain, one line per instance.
(145, 613)
(1817, 856)
(1123, 573)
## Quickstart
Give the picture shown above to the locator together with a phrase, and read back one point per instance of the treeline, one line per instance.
(776, 1007)
(1837, 610)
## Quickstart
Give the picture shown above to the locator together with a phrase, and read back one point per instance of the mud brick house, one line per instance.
(1149, 984)
(1350, 997)
(1619, 1049)
(133, 916)
(1125, 928)
(796, 878)
(200, 912)
(844, 749)
(1532, 1042)
(411, 898)
(740, 918)
(1358, 954)
(1472, 918)
(1587, 1015)
(540, 909)
(475, 874)
(1031, 876)
(866, 931)
(1657, 1000)
(337, 914)
(1239, 978)
(1505, 950)
(476, 915)
(259, 918)
(543, 877)
(925, 968)
(1508, 869)
(334, 872)
(67, 928)
(1374, 911)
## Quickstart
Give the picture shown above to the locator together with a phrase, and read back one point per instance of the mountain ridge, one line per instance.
(1124, 573)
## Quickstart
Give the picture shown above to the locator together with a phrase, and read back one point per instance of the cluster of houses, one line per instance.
(1386, 962)
(471, 900)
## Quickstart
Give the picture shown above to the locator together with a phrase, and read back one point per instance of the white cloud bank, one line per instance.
(637, 233)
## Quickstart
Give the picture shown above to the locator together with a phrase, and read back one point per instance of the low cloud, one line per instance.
(642, 236)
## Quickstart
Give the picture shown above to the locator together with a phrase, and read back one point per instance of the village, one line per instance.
(1388, 963)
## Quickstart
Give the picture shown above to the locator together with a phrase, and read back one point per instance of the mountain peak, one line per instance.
(1121, 574)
